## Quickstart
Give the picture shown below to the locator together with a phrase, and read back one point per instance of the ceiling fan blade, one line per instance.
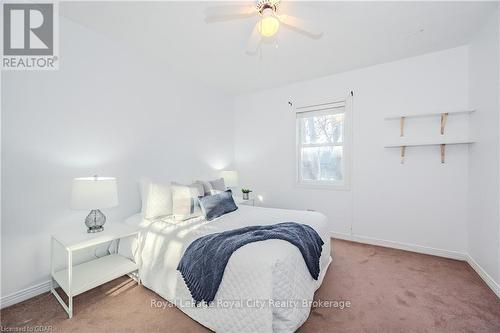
(254, 41)
(298, 25)
(228, 13)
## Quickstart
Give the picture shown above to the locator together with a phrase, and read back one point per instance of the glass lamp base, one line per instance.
(95, 221)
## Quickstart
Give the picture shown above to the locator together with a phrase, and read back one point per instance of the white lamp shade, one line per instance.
(230, 178)
(94, 193)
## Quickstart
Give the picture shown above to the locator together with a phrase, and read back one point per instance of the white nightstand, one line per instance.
(241, 201)
(77, 279)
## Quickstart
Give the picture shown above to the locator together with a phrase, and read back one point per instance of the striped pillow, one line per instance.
(185, 204)
(212, 186)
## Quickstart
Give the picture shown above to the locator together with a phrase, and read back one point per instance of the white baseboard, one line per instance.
(402, 246)
(24, 294)
(425, 250)
(484, 275)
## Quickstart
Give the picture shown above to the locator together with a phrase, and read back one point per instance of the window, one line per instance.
(321, 145)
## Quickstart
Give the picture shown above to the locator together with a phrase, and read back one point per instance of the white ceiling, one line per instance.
(356, 34)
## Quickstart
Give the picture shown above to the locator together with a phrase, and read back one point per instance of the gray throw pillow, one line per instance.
(217, 205)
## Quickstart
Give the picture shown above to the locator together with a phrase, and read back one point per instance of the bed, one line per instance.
(266, 285)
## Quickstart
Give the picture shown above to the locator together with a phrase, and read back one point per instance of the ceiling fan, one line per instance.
(268, 24)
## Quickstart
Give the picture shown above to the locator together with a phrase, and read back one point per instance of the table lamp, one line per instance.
(94, 193)
(230, 178)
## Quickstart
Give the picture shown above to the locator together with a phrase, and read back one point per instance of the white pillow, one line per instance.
(185, 204)
(156, 199)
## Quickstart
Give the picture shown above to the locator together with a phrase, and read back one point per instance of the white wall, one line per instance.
(484, 176)
(422, 202)
(107, 112)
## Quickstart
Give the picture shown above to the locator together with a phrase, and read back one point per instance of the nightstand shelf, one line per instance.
(94, 273)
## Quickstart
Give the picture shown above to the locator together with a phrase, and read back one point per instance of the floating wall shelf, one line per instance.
(429, 143)
(435, 114)
(444, 116)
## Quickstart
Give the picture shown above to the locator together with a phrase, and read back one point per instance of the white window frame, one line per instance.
(335, 108)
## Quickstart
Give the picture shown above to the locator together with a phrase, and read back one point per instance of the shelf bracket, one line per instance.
(402, 126)
(444, 117)
(442, 153)
(403, 151)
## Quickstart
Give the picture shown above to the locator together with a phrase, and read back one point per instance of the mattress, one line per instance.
(266, 285)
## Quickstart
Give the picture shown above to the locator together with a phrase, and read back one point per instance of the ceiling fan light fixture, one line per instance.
(269, 24)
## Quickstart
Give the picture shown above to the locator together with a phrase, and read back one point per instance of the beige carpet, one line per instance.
(389, 291)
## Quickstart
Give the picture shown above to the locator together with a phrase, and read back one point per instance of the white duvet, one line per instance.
(266, 285)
